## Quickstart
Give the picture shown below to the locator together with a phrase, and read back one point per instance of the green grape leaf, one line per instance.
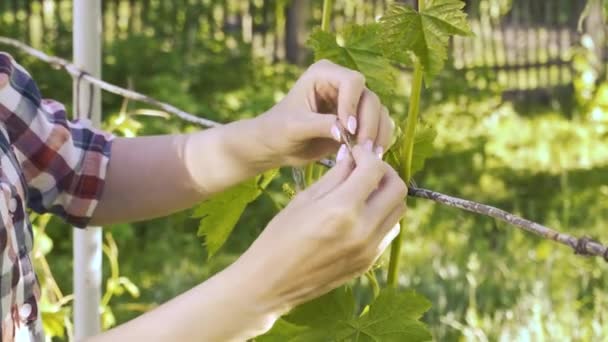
(359, 47)
(323, 319)
(220, 214)
(337, 305)
(423, 148)
(393, 316)
(425, 34)
(283, 331)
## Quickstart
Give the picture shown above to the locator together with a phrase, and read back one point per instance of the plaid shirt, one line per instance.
(49, 165)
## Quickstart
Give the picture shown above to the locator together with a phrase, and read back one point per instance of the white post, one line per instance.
(87, 243)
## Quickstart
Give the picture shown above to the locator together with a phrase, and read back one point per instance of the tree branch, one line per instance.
(581, 246)
(133, 95)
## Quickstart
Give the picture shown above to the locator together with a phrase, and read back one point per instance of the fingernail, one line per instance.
(368, 146)
(352, 124)
(379, 151)
(335, 132)
(341, 153)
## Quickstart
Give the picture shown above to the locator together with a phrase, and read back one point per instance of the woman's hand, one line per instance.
(330, 233)
(302, 127)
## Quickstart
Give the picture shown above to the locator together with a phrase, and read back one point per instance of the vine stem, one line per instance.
(412, 121)
(406, 172)
(303, 177)
(373, 282)
(326, 19)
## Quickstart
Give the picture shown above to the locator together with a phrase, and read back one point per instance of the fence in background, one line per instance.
(524, 44)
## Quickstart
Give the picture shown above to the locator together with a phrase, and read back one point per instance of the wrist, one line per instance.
(223, 156)
(248, 141)
(250, 299)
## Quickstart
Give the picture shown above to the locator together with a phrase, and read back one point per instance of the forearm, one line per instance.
(155, 176)
(224, 308)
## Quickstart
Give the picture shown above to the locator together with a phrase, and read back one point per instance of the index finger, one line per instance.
(350, 85)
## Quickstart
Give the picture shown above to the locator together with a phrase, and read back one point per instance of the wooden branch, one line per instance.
(77, 72)
(582, 246)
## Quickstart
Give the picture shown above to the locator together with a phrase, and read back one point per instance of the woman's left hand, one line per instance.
(303, 126)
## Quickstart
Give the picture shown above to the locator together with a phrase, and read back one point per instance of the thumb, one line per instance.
(314, 125)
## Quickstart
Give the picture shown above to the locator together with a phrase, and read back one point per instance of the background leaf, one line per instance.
(425, 34)
(423, 148)
(220, 214)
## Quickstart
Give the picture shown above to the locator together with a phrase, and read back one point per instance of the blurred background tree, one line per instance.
(522, 118)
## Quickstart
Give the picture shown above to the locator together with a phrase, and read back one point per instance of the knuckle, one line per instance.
(402, 208)
(373, 166)
(291, 127)
(322, 63)
(379, 167)
(357, 77)
(374, 98)
(401, 190)
(343, 214)
(356, 246)
(305, 196)
(398, 183)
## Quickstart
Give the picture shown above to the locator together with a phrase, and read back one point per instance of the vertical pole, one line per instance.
(87, 242)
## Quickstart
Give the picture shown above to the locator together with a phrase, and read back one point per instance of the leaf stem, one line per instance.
(406, 171)
(326, 19)
(412, 120)
(373, 282)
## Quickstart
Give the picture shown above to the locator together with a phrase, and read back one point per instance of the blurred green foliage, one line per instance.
(487, 281)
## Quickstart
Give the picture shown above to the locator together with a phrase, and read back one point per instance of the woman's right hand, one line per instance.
(329, 233)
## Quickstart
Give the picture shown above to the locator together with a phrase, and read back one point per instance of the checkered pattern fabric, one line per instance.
(47, 164)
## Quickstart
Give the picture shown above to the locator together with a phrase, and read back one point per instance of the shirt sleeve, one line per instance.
(64, 163)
